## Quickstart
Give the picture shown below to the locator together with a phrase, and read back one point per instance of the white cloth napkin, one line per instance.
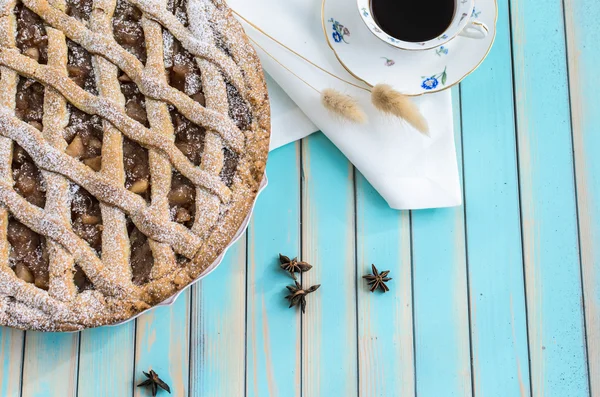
(288, 122)
(409, 170)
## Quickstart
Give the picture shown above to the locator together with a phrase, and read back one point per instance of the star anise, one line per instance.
(378, 280)
(293, 265)
(298, 295)
(154, 382)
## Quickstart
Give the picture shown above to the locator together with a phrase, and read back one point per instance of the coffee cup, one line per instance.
(421, 24)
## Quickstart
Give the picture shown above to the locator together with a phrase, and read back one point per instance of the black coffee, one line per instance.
(413, 20)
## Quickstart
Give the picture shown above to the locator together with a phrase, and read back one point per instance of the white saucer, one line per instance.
(371, 60)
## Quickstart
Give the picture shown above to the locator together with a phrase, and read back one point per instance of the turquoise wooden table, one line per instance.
(500, 297)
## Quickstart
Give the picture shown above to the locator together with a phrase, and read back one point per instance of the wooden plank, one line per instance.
(549, 217)
(162, 344)
(273, 330)
(385, 321)
(50, 364)
(11, 356)
(441, 315)
(329, 344)
(583, 35)
(497, 295)
(107, 353)
(218, 331)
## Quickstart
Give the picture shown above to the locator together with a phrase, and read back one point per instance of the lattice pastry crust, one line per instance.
(133, 140)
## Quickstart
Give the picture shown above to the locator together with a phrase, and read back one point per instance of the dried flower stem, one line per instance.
(343, 105)
(388, 100)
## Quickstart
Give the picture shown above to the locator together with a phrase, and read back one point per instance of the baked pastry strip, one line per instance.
(148, 84)
(110, 111)
(160, 167)
(58, 198)
(115, 238)
(217, 100)
(8, 91)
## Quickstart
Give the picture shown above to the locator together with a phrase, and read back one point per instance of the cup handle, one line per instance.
(475, 29)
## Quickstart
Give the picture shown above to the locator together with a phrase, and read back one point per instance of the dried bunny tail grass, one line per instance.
(388, 100)
(343, 105)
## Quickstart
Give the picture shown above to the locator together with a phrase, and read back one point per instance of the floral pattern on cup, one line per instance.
(340, 32)
(388, 62)
(441, 51)
(431, 82)
(365, 12)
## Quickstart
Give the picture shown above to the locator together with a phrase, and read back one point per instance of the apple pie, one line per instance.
(133, 141)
